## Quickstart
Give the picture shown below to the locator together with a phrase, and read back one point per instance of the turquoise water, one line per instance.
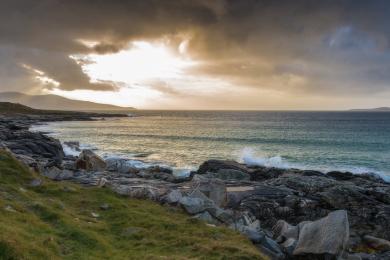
(352, 141)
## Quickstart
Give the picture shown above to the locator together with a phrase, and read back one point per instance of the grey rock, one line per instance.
(206, 217)
(173, 197)
(328, 235)
(254, 235)
(105, 206)
(36, 183)
(57, 174)
(137, 192)
(214, 189)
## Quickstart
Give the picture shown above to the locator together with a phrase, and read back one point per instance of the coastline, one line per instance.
(155, 157)
(220, 192)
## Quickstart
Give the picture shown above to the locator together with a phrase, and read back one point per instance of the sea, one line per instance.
(357, 142)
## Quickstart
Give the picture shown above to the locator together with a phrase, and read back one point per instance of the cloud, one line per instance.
(310, 47)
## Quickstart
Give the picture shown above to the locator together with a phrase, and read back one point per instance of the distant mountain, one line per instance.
(54, 102)
(7, 107)
(378, 109)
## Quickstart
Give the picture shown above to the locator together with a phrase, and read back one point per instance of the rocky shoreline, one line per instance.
(287, 213)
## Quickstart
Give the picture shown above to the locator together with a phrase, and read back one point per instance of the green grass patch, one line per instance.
(61, 220)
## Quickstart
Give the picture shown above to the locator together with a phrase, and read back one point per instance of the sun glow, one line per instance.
(140, 63)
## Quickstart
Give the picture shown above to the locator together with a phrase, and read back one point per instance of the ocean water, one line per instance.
(349, 141)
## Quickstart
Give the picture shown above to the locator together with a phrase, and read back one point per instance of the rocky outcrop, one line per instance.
(89, 161)
(313, 213)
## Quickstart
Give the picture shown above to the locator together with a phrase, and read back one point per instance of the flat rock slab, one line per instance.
(328, 235)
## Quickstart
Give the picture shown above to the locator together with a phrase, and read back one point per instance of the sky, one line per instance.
(205, 54)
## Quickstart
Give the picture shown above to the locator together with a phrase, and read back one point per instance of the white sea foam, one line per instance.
(249, 157)
(182, 172)
(69, 150)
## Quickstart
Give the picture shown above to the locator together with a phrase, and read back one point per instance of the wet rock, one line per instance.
(216, 165)
(229, 174)
(74, 145)
(120, 165)
(89, 161)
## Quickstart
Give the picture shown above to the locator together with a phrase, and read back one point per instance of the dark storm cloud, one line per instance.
(314, 46)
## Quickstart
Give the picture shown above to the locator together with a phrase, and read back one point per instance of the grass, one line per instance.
(55, 221)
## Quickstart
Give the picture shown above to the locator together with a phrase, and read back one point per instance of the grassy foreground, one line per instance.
(61, 220)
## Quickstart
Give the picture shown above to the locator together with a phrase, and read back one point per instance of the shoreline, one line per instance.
(245, 156)
(250, 199)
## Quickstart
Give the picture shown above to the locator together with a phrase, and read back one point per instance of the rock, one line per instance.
(95, 215)
(254, 235)
(196, 203)
(74, 145)
(214, 189)
(230, 174)
(206, 217)
(57, 174)
(246, 220)
(131, 231)
(377, 243)
(328, 235)
(222, 215)
(173, 197)
(36, 183)
(216, 165)
(102, 182)
(105, 206)
(284, 231)
(89, 161)
(121, 165)
(138, 192)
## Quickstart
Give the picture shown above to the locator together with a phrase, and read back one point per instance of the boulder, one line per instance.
(57, 174)
(206, 217)
(137, 192)
(196, 202)
(214, 189)
(326, 236)
(89, 161)
(230, 174)
(216, 165)
(173, 197)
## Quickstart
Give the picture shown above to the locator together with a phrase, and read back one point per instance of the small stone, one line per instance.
(130, 231)
(95, 215)
(36, 183)
(104, 206)
(9, 208)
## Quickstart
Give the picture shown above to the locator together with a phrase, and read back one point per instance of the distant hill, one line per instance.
(7, 107)
(54, 102)
(378, 109)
